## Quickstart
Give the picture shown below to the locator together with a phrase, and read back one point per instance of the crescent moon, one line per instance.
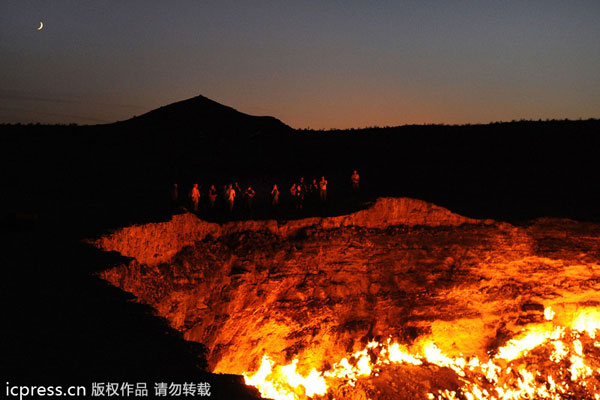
(41, 26)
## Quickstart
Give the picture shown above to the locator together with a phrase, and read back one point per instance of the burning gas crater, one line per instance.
(545, 361)
(404, 300)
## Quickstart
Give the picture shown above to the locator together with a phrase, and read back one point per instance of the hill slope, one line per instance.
(207, 118)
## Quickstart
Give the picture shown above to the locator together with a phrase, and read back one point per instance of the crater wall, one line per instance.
(319, 289)
(155, 243)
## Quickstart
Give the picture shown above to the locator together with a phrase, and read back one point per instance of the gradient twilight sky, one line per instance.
(318, 64)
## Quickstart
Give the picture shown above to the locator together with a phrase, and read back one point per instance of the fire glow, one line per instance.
(545, 361)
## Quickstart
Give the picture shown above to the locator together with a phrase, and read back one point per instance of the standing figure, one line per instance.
(230, 197)
(212, 196)
(175, 195)
(303, 185)
(195, 195)
(224, 197)
(249, 195)
(355, 178)
(314, 191)
(300, 194)
(323, 189)
(275, 197)
(237, 188)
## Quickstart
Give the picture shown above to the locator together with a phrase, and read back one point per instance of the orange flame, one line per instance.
(501, 377)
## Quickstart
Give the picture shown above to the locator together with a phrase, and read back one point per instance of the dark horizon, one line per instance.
(464, 124)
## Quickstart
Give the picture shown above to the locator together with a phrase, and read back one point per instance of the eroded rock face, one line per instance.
(152, 244)
(319, 289)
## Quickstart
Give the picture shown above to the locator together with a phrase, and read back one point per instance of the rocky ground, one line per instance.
(320, 289)
(64, 326)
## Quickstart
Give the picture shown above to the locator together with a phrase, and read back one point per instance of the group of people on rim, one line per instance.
(232, 194)
(315, 191)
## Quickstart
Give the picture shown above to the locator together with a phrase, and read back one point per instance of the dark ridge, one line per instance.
(206, 118)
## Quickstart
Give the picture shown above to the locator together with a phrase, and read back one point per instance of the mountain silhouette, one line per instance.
(206, 118)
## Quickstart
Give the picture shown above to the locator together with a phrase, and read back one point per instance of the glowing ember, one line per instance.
(513, 373)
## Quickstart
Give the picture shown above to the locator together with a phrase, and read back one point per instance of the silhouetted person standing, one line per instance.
(249, 195)
(275, 198)
(174, 195)
(238, 189)
(230, 197)
(300, 194)
(313, 191)
(302, 184)
(224, 197)
(355, 178)
(195, 195)
(323, 189)
(212, 196)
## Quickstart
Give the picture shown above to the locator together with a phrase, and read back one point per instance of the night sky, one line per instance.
(317, 64)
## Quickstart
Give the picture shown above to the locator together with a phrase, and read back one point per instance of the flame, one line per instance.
(505, 375)
(531, 339)
(435, 356)
(284, 383)
(313, 383)
(587, 320)
(399, 354)
(549, 313)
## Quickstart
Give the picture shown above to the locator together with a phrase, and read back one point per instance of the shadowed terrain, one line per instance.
(63, 184)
